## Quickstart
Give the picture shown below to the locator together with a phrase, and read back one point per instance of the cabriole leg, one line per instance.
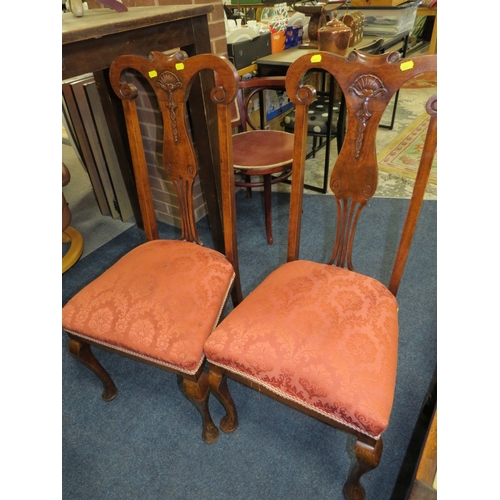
(218, 385)
(82, 352)
(367, 458)
(198, 393)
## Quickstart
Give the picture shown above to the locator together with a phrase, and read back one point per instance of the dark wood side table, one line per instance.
(91, 43)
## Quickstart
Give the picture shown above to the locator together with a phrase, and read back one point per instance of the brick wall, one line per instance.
(164, 196)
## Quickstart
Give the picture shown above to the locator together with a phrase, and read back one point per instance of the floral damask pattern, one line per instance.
(161, 300)
(319, 335)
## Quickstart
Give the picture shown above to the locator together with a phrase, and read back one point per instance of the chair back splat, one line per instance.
(180, 162)
(368, 83)
(321, 337)
(159, 303)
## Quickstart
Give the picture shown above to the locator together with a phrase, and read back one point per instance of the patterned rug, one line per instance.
(401, 156)
(421, 81)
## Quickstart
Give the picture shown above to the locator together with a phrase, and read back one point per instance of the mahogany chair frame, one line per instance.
(173, 76)
(368, 83)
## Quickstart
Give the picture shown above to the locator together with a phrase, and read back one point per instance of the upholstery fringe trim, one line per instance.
(138, 355)
(298, 401)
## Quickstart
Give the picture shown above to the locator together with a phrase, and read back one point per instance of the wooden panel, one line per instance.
(424, 486)
(83, 142)
(138, 42)
(101, 22)
(89, 125)
(119, 189)
(93, 41)
(428, 462)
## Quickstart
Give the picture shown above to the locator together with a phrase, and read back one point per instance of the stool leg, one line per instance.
(248, 179)
(267, 208)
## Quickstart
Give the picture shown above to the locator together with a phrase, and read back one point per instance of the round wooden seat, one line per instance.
(262, 150)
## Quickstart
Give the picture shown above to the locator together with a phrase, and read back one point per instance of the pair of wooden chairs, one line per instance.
(321, 338)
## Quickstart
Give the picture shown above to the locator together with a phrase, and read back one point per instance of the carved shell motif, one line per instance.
(168, 81)
(366, 87)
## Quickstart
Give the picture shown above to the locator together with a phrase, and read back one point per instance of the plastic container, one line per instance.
(387, 21)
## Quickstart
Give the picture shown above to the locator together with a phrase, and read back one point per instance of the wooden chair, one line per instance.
(159, 302)
(323, 338)
(261, 157)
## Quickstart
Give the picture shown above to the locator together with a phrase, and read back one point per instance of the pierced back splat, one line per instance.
(179, 158)
(368, 84)
(171, 85)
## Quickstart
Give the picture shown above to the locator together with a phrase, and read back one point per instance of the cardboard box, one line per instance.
(278, 41)
(293, 36)
(277, 103)
(246, 52)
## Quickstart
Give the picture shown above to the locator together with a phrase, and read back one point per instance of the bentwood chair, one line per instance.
(323, 338)
(262, 157)
(159, 303)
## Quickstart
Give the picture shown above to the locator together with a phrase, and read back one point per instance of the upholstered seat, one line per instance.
(324, 337)
(160, 301)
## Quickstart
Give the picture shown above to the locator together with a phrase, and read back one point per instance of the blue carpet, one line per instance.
(147, 442)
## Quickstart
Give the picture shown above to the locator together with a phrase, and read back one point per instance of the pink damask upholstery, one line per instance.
(160, 302)
(319, 335)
